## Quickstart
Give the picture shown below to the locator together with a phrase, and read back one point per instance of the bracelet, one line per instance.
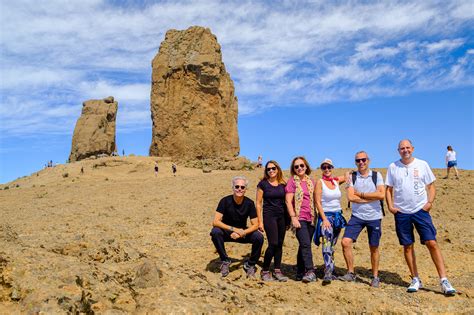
(362, 195)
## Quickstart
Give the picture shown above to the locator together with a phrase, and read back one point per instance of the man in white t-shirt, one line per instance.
(365, 189)
(410, 195)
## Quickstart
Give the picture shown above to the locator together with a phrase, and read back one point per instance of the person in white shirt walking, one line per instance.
(451, 162)
(410, 195)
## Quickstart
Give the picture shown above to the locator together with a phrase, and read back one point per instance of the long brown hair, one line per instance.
(280, 179)
(308, 168)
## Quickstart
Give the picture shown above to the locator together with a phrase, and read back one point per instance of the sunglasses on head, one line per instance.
(299, 166)
(361, 160)
(236, 187)
(273, 168)
(326, 167)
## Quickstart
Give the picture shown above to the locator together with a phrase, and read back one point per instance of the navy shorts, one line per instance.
(356, 225)
(452, 163)
(421, 220)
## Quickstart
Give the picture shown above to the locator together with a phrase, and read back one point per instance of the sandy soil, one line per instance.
(117, 239)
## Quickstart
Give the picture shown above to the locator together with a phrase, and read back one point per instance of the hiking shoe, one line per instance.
(250, 270)
(348, 277)
(299, 277)
(310, 276)
(225, 268)
(328, 277)
(280, 276)
(266, 276)
(415, 285)
(447, 288)
(375, 282)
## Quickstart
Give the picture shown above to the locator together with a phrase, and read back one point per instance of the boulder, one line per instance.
(193, 106)
(94, 134)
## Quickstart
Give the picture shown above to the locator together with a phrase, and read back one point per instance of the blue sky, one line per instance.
(318, 78)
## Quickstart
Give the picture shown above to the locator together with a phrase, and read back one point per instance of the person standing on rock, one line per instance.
(330, 222)
(300, 205)
(271, 218)
(156, 169)
(230, 225)
(259, 161)
(365, 190)
(410, 195)
(451, 162)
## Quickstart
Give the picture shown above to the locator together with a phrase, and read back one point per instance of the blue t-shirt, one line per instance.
(273, 198)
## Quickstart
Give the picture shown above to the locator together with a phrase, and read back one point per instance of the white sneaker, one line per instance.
(447, 288)
(414, 285)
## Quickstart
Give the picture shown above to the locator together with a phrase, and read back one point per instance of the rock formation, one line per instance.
(193, 106)
(95, 129)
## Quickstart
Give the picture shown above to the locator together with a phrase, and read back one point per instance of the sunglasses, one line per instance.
(271, 168)
(361, 160)
(326, 167)
(237, 187)
(299, 166)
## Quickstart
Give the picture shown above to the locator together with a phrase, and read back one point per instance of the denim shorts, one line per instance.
(356, 225)
(421, 221)
(452, 163)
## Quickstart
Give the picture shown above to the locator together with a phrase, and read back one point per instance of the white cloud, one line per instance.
(57, 54)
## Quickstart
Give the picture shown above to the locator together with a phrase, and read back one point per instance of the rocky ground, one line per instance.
(117, 239)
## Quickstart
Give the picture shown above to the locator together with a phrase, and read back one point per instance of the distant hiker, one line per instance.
(230, 225)
(259, 161)
(123, 152)
(174, 169)
(330, 221)
(82, 169)
(410, 196)
(272, 218)
(365, 190)
(451, 162)
(300, 204)
(156, 169)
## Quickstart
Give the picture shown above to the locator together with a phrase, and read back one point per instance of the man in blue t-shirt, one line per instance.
(230, 225)
(365, 197)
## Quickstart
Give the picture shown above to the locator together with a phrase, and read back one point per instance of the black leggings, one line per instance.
(275, 228)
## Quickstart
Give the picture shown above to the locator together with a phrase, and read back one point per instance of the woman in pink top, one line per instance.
(300, 205)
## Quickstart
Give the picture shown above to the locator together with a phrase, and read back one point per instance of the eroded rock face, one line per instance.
(193, 106)
(95, 129)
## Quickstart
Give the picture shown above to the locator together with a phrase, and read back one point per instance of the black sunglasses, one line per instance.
(299, 166)
(326, 167)
(239, 187)
(361, 160)
(271, 168)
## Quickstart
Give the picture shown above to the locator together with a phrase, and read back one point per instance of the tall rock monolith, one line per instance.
(95, 129)
(193, 106)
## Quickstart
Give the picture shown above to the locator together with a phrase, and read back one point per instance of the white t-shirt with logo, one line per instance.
(409, 184)
(371, 210)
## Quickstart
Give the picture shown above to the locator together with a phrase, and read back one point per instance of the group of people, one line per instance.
(312, 209)
(174, 169)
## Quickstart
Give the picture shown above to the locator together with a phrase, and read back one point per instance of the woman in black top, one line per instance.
(271, 218)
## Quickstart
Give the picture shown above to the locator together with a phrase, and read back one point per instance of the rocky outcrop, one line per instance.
(95, 129)
(193, 106)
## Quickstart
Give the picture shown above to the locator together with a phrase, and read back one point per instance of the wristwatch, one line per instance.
(231, 229)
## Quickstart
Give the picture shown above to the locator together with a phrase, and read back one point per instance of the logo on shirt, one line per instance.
(416, 182)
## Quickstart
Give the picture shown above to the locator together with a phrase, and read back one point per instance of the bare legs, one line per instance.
(349, 258)
(436, 256)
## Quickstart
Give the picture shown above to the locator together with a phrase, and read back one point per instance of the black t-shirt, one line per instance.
(234, 214)
(273, 198)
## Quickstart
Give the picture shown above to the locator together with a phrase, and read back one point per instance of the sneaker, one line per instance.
(447, 288)
(310, 276)
(328, 277)
(225, 268)
(348, 277)
(250, 270)
(414, 285)
(299, 277)
(266, 276)
(375, 282)
(280, 276)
